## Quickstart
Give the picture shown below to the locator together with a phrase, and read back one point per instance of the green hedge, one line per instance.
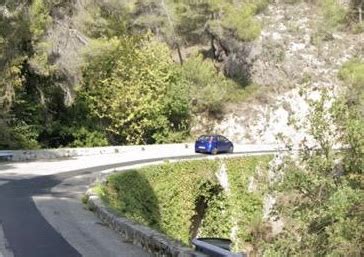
(184, 199)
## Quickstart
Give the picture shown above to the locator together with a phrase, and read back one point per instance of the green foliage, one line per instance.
(351, 114)
(260, 5)
(39, 61)
(321, 194)
(25, 135)
(128, 84)
(81, 137)
(241, 21)
(208, 88)
(86, 138)
(239, 208)
(104, 18)
(358, 28)
(10, 81)
(39, 17)
(353, 73)
(185, 21)
(168, 197)
(192, 17)
(333, 13)
(156, 96)
(17, 135)
(13, 35)
(162, 197)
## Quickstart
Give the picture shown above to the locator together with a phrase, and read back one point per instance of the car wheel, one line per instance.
(214, 151)
(231, 149)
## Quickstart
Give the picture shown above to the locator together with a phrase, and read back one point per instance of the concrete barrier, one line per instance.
(50, 154)
(150, 240)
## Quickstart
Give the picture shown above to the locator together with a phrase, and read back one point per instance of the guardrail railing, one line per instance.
(213, 250)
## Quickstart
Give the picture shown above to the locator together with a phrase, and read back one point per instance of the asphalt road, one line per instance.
(41, 214)
(28, 205)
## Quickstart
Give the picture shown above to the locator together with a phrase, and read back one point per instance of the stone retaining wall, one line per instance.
(150, 240)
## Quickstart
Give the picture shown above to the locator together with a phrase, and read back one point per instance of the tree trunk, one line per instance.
(213, 48)
(179, 53)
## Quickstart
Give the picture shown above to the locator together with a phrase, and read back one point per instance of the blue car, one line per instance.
(213, 144)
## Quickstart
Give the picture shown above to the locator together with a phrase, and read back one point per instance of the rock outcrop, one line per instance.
(293, 59)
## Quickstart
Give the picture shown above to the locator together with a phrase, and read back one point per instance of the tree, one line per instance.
(184, 23)
(131, 84)
(321, 193)
(357, 7)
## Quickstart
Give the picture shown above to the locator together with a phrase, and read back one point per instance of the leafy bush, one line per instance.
(358, 28)
(19, 135)
(170, 197)
(40, 18)
(133, 87)
(185, 21)
(351, 114)
(333, 13)
(321, 193)
(242, 22)
(241, 207)
(207, 87)
(260, 5)
(82, 137)
(352, 73)
(103, 19)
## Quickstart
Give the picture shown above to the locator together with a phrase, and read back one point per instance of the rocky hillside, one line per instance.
(293, 60)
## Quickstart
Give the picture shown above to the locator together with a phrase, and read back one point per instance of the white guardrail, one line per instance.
(186, 149)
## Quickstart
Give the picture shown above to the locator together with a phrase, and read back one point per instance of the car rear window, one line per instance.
(204, 138)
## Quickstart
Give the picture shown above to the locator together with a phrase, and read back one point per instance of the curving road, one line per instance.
(40, 203)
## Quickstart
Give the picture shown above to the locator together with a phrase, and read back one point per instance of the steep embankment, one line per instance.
(293, 59)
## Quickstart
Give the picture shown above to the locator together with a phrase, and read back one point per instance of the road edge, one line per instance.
(150, 240)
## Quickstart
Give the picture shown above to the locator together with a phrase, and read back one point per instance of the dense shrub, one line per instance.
(239, 209)
(40, 18)
(333, 12)
(242, 22)
(18, 135)
(352, 73)
(174, 196)
(134, 88)
(320, 193)
(209, 89)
